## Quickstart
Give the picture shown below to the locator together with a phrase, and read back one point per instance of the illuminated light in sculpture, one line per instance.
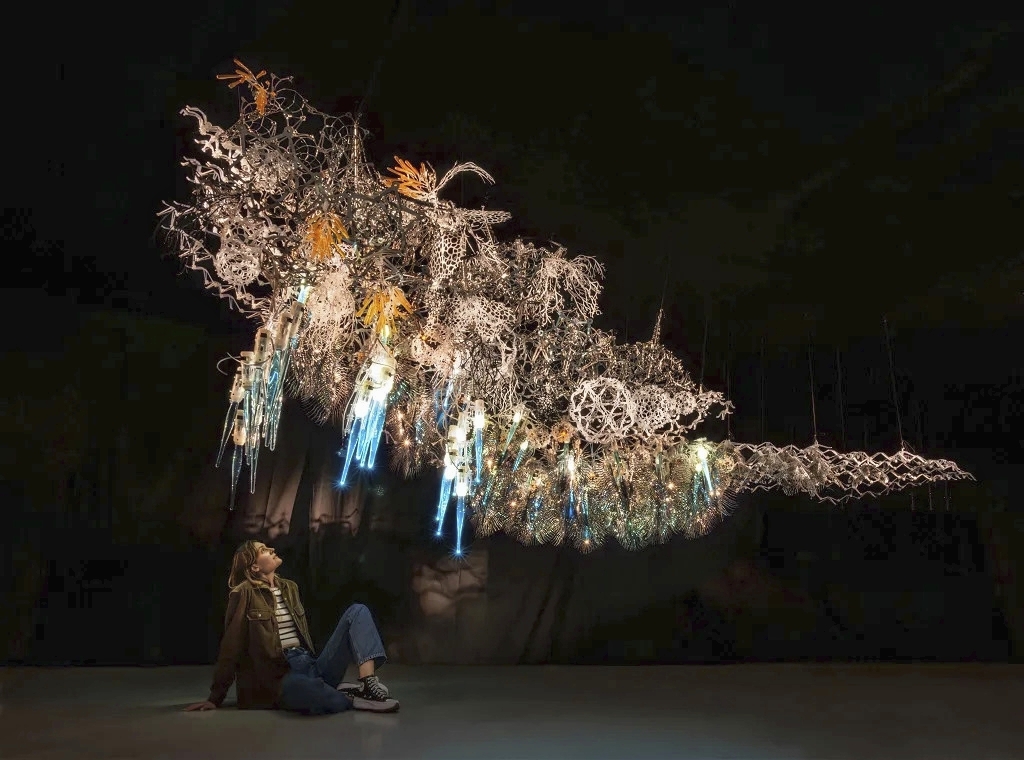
(704, 469)
(478, 437)
(365, 423)
(448, 475)
(238, 437)
(461, 492)
(234, 399)
(382, 304)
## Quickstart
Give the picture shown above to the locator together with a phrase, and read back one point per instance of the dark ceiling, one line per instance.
(782, 174)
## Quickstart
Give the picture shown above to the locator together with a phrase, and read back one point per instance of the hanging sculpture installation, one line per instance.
(396, 314)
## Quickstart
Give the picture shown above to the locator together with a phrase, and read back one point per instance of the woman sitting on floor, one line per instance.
(267, 649)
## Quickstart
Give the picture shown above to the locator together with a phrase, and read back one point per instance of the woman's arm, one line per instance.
(231, 645)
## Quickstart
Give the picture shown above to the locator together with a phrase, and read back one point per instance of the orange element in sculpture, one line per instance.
(324, 233)
(381, 309)
(261, 91)
(412, 182)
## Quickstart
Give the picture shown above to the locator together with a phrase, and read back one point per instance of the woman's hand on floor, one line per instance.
(201, 706)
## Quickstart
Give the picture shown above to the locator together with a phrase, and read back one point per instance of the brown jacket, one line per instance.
(250, 651)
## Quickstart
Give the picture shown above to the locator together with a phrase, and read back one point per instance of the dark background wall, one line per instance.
(119, 539)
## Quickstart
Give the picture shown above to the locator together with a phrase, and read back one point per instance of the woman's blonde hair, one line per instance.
(242, 562)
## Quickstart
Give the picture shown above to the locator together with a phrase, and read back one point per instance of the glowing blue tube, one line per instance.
(437, 408)
(228, 425)
(446, 403)
(478, 444)
(487, 491)
(442, 503)
(248, 412)
(375, 436)
(274, 423)
(511, 433)
(520, 456)
(363, 439)
(274, 376)
(236, 469)
(353, 436)
(460, 519)
(252, 466)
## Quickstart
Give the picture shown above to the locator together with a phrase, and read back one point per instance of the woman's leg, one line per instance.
(355, 639)
(311, 696)
(304, 692)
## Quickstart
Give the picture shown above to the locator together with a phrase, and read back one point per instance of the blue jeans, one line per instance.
(311, 684)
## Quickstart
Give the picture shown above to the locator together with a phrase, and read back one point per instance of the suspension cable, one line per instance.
(892, 377)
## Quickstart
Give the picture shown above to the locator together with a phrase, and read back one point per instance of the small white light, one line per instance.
(461, 488)
(523, 445)
(360, 408)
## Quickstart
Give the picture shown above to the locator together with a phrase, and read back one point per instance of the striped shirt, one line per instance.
(285, 624)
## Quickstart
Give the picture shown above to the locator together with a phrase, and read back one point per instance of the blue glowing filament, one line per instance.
(460, 518)
(229, 422)
(350, 451)
(236, 469)
(478, 444)
(442, 502)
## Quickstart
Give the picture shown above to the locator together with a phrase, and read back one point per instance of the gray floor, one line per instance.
(739, 711)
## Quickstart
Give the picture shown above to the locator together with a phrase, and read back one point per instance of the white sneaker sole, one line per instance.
(372, 705)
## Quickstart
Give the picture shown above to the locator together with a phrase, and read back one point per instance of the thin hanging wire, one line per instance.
(371, 83)
(761, 394)
(892, 377)
(920, 447)
(728, 384)
(704, 348)
(728, 394)
(814, 409)
(839, 389)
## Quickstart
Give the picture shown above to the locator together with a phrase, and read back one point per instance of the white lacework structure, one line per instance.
(832, 476)
(379, 300)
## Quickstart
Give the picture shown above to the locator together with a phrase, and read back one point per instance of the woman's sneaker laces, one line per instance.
(370, 694)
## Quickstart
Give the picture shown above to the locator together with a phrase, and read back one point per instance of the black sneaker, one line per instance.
(371, 685)
(370, 694)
